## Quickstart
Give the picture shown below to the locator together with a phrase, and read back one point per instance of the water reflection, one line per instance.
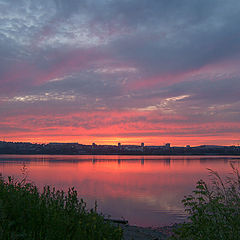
(146, 190)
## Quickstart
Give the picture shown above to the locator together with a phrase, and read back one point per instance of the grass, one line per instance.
(214, 211)
(28, 214)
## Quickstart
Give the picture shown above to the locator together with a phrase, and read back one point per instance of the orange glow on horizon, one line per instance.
(110, 128)
(148, 141)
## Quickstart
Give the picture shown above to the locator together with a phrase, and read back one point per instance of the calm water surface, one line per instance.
(145, 190)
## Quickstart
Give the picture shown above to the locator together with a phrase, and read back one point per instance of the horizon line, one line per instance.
(117, 144)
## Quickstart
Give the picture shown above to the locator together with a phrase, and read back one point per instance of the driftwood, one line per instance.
(122, 221)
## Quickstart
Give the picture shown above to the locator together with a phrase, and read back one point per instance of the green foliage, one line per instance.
(214, 214)
(27, 214)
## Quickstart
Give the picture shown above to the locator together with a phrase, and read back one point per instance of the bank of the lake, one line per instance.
(147, 233)
(26, 213)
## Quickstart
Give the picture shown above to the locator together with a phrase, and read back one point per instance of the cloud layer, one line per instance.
(129, 71)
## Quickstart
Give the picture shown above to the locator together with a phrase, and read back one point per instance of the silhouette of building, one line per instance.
(167, 145)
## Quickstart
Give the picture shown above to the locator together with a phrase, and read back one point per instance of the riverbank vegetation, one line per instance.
(214, 211)
(28, 214)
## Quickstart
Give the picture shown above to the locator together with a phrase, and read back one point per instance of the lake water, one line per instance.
(145, 190)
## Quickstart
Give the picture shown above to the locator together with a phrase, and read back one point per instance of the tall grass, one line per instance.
(28, 214)
(214, 211)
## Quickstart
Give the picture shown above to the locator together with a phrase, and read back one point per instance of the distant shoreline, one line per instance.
(94, 149)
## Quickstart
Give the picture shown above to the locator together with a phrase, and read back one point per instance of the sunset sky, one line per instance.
(129, 71)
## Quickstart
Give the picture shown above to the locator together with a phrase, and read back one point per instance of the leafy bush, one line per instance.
(214, 212)
(27, 214)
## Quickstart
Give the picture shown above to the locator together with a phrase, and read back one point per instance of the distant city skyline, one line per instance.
(55, 148)
(120, 71)
(119, 144)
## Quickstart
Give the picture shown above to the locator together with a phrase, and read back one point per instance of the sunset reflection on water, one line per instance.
(145, 190)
